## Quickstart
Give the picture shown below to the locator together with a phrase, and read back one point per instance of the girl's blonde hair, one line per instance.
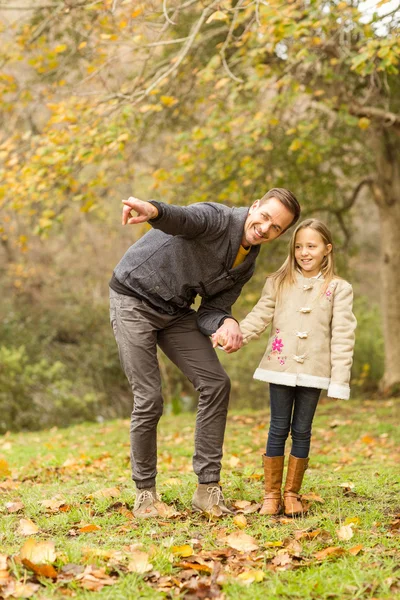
(286, 274)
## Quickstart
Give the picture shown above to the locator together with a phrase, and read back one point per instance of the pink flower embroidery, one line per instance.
(277, 344)
(328, 293)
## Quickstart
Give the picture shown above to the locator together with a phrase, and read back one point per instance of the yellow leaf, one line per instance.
(60, 48)
(4, 468)
(217, 16)
(82, 45)
(295, 145)
(184, 551)
(38, 552)
(352, 521)
(27, 527)
(240, 521)
(168, 100)
(364, 123)
(251, 576)
(136, 13)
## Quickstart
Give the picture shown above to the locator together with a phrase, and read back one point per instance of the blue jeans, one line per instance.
(292, 410)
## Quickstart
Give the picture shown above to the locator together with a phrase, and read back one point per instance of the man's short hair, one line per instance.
(288, 200)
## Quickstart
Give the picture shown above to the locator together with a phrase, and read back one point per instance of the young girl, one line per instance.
(310, 348)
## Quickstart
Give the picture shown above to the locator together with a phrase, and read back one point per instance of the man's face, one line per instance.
(265, 222)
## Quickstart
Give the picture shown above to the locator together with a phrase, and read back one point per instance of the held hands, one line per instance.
(144, 210)
(228, 336)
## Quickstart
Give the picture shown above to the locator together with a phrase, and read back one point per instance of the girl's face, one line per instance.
(309, 251)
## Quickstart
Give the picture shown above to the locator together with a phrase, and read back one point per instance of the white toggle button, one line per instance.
(305, 309)
(299, 359)
(302, 335)
(308, 286)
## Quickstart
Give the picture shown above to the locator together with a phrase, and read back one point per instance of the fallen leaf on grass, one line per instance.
(352, 521)
(282, 559)
(9, 485)
(4, 574)
(4, 468)
(139, 562)
(355, 549)
(277, 544)
(41, 570)
(183, 551)
(311, 535)
(13, 507)
(54, 504)
(242, 541)
(197, 564)
(240, 521)
(166, 511)
(27, 527)
(311, 497)
(88, 528)
(294, 548)
(395, 525)
(249, 577)
(202, 588)
(329, 552)
(17, 589)
(94, 579)
(113, 492)
(241, 504)
(246, 507)
(345, 532)
(38, 552)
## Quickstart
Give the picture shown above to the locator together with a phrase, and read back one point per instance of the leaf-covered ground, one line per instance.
(67, 529)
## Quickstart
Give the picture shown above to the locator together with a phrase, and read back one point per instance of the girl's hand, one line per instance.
(229, 336)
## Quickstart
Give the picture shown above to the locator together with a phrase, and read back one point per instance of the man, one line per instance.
(204, 249)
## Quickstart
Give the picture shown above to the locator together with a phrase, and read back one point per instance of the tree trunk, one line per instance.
(387, 197)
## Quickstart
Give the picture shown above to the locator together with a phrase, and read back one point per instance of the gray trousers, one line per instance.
(138, 329)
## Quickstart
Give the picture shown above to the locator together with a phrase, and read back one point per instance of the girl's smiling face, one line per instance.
(310, 251)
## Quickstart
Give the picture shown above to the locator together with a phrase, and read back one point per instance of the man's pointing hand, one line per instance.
(144, 210)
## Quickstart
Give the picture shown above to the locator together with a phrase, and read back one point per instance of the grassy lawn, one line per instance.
(67, 530)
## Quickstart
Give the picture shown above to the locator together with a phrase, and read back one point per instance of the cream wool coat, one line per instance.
(312, 334)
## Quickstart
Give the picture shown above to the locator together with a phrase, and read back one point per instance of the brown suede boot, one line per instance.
(293, 506)
(273, 470)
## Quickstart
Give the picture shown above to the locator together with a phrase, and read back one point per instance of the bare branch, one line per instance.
(114, 6)
(226, 42)
(180, 57)
(351, 201)
(40, 7)
(165, 11)
(389, 119)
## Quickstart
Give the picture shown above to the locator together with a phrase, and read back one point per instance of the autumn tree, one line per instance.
(255, 93)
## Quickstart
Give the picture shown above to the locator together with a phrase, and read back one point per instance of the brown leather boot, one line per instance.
(273, 470)
(292, 504)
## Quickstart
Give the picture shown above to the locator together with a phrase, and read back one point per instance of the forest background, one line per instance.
(184, 101)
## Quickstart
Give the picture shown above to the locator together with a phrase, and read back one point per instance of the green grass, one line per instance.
(355, 443)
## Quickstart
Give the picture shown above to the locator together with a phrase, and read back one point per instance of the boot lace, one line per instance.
(145, 495)
(216, 496)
